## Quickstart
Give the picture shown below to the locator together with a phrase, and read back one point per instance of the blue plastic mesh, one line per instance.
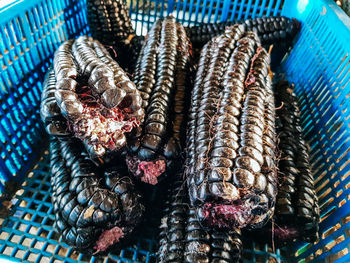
(30, 31)
(319, 65)
(191, 12)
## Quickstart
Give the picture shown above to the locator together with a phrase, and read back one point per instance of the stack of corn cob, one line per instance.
(230, 173)
(110, 23)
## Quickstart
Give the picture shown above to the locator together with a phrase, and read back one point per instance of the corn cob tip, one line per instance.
(108, 238)
(184, 239)
(147, 171)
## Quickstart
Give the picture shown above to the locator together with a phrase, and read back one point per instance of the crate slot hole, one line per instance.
(347, 185)
(33, 230)
(27, 242)
(20, 254)
(49, 222)
(8, 251)
(44, 208)
(328, 202)
(32, 257)
(62, 251)
(335, 242)
(318, 252)
(38, 219)
(23, 203)
(44, 260)
(15, 239)
(319, 178)
(22, 227)
(4, 235)
(345, 176)
(339, 193)
(39, 196)
(325, 193)
(330, 231)
(336, 183)
(28, 194)
(43, 232)
(45, 187)
(337, 255)
(343, 166)
(342, 202)
(28, 216)
(328, 213)
(33, 206)
(39, 245)
(319, 188)
(50, 248)
(346, 220)
(55, 235)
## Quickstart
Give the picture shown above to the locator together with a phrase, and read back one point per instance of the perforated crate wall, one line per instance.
(319, 65)
(31, 30)
(192, 12)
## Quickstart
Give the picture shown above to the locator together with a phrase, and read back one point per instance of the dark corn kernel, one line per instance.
(297, 202)
(50, 112)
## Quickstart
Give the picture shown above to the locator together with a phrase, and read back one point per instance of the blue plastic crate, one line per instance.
(319, 65)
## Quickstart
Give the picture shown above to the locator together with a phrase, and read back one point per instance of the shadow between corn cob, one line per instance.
(279, 31)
